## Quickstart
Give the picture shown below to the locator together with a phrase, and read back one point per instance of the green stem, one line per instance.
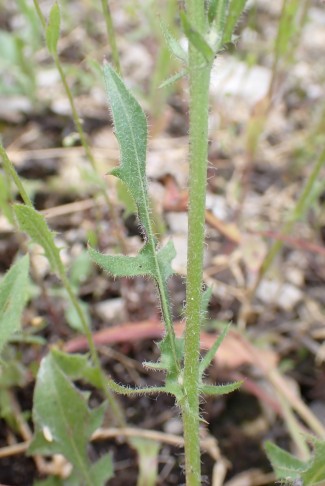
(111, 35)
(11, 172)
(116, 409)
(199, 78)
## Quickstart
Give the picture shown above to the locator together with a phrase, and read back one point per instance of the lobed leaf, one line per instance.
(53, 29)
(64, 423)
(131, 132)
(34, 224)
(13, 296)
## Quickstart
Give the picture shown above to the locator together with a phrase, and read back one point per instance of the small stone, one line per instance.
(111, 310)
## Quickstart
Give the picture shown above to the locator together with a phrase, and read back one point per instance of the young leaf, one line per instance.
(206, 296)
(207, 359)
(212, 10)
(196, 39)
(34, 224)
(235, 10)
(173, 45)
(13, 294)
(77, 367)
(64, 423)
(285, 465)
(220, 389)
(53, 29)
(172, 79)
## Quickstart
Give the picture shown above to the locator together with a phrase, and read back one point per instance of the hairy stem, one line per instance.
(199, 77)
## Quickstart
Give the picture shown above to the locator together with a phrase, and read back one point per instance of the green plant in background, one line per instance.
(290, 470)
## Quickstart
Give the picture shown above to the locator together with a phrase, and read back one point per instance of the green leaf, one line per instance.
(196, 39)
(34, 224)
(207, 359)
(64, 423)
(285, 465)
(73, 317)
(220, 389)
(131, 132)
(145, 263)
(78, 367)
(315, 472)
(173, 79)
(173, 45)
(206, 296)
(235, 10)
(13, 296)
(126, 199)
(81, 269)
(53, 29)
(5, 198)
(212, 10)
